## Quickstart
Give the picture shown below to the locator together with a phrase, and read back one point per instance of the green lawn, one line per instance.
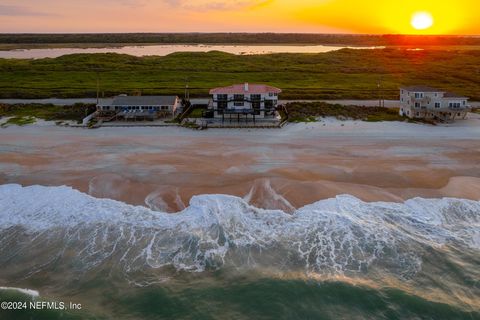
(335, 75)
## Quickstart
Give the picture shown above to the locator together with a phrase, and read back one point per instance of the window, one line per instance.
(454, 105)
(238, 104)
(437, 104)
(238, 97)
(222, 97)
(418, 95)
(418, 114)
(164, 107)
(417, 104)
(255, 97)
(402, 99)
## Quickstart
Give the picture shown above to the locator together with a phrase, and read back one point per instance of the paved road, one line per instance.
(67, 102)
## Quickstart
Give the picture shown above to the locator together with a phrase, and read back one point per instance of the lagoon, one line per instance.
(163, 50)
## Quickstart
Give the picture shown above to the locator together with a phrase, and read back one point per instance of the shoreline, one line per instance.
(165, 167)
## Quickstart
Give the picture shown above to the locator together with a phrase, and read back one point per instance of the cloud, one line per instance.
(14, 11)
(208, 5)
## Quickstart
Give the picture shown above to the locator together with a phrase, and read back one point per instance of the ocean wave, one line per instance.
(43, 226)
(29, 292)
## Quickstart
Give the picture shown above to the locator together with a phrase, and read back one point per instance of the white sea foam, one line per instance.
(334, 236)
(30, 292)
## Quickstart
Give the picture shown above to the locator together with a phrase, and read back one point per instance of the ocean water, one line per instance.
(222, 258)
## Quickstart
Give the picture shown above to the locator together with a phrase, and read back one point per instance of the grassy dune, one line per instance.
(22, 114)
(309, 111)
(341, 74)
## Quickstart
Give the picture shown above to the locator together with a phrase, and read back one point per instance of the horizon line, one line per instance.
(245, 32)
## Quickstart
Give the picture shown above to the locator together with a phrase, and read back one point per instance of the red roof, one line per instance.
(240, 89)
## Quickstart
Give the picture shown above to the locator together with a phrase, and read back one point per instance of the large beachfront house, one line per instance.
(244, 100)
(140, 107)
(430, 103)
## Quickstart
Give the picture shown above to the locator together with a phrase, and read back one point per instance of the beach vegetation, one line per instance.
(48, 112)
(196, 113)
(310, 111)
(19, 121)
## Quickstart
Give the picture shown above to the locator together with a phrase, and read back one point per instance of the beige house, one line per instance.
(423, 102)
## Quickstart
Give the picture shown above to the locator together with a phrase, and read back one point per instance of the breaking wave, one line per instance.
(43, 226)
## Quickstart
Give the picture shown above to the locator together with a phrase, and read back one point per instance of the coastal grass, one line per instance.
(22, 114)
(196, 113)
(19, 121)
(342, 74)
(310, 111)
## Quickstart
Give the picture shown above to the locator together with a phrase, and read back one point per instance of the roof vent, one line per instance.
(246, 86)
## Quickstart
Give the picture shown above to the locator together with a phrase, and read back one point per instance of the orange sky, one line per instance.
(316, 16)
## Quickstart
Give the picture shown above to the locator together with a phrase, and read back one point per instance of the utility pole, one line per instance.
(98, 87)
(187, 94)
(379, 96)
(381, 101)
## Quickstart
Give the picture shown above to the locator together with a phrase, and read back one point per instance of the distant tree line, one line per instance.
(212, 38)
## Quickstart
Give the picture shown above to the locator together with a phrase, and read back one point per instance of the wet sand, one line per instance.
(302, 163)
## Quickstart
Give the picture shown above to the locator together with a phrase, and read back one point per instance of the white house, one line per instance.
(430, 103)
(255, 100)
(140, 107)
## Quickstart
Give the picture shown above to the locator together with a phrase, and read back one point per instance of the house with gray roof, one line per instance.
(140, 107)
(422, 102)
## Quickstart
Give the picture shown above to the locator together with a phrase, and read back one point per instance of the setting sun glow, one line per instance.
(422, 20)
(421, 17)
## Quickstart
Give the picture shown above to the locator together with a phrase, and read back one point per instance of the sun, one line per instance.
(422, 20)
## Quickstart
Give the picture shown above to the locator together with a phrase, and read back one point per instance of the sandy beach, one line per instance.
(162, 168)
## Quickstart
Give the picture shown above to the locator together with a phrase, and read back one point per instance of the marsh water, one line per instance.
(326, 220)
(163, 50)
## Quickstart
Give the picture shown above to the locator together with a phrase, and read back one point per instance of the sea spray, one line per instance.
(336, 236)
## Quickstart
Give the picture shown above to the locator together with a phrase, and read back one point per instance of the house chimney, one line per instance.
(246, 86)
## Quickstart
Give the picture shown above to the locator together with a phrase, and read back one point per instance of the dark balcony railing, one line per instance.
(241, 100)
(243, 111)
